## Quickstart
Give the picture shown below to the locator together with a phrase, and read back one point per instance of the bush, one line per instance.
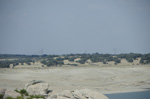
(145, 59)
(53, 62)
(22, 92)
(74, 64)
(20, 97)
(71, 59)
(36, 96)
(81, 61)
(130, 60)
(22, 64)
(28, 63)
(16, 90)
(104, 62)
(29, 98)
(1, 96)
(116, 60)
(110, 58)
(9, 98)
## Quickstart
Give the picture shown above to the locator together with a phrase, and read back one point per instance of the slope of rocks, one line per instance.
(40, 88)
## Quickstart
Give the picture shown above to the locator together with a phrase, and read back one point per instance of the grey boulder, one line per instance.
(37, 88)
(79, 94)
(11, 93)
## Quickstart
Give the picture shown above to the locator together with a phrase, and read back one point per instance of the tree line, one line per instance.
(6, 63)
(58, 60)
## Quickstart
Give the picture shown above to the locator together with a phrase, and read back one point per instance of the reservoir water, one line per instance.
(130, 95)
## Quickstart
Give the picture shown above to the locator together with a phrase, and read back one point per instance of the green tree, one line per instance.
(130, 60)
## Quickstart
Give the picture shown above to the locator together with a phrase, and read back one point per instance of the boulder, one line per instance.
(11, 93)
(79, 94)
(2, 91)
(37, 88)
(66, 93)
(89, 94)
(34, 82)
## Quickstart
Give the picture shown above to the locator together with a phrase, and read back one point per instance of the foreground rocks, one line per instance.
(37, 88)
(4, 93)
(78, 94)
(40, 88)
(11, 93)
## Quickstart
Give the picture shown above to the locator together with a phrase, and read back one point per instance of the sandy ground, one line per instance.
(110, 79)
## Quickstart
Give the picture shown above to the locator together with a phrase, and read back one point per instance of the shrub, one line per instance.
(116, 60)
(29, 98)
(16, 90)
(81, 61)
(36, 96)
(130, 60)
(72, 59)
(9, 98)
(74, 64)
(1, 96)
(104, 62)
(26, 94)
(22, 92)
(20, 97)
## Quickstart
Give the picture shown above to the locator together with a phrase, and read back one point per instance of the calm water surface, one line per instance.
(130, 95)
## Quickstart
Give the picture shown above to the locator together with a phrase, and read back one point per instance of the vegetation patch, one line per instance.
(23, 92)
(58, 60)
(1, 96)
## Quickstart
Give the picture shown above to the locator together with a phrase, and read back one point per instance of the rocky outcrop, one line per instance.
(40, 88)
(2, 91)
(37, 88)
(11, 93)
(78, 94)
(34, 82)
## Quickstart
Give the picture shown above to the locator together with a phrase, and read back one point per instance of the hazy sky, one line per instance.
(74, 26)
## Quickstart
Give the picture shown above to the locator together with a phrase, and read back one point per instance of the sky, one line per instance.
(74, 26)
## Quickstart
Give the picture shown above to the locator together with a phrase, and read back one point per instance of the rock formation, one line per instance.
(78, 94)
(37, 87)
(40, 88)
(11, 93)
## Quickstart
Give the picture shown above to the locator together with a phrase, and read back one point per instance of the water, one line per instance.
(130, 95)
